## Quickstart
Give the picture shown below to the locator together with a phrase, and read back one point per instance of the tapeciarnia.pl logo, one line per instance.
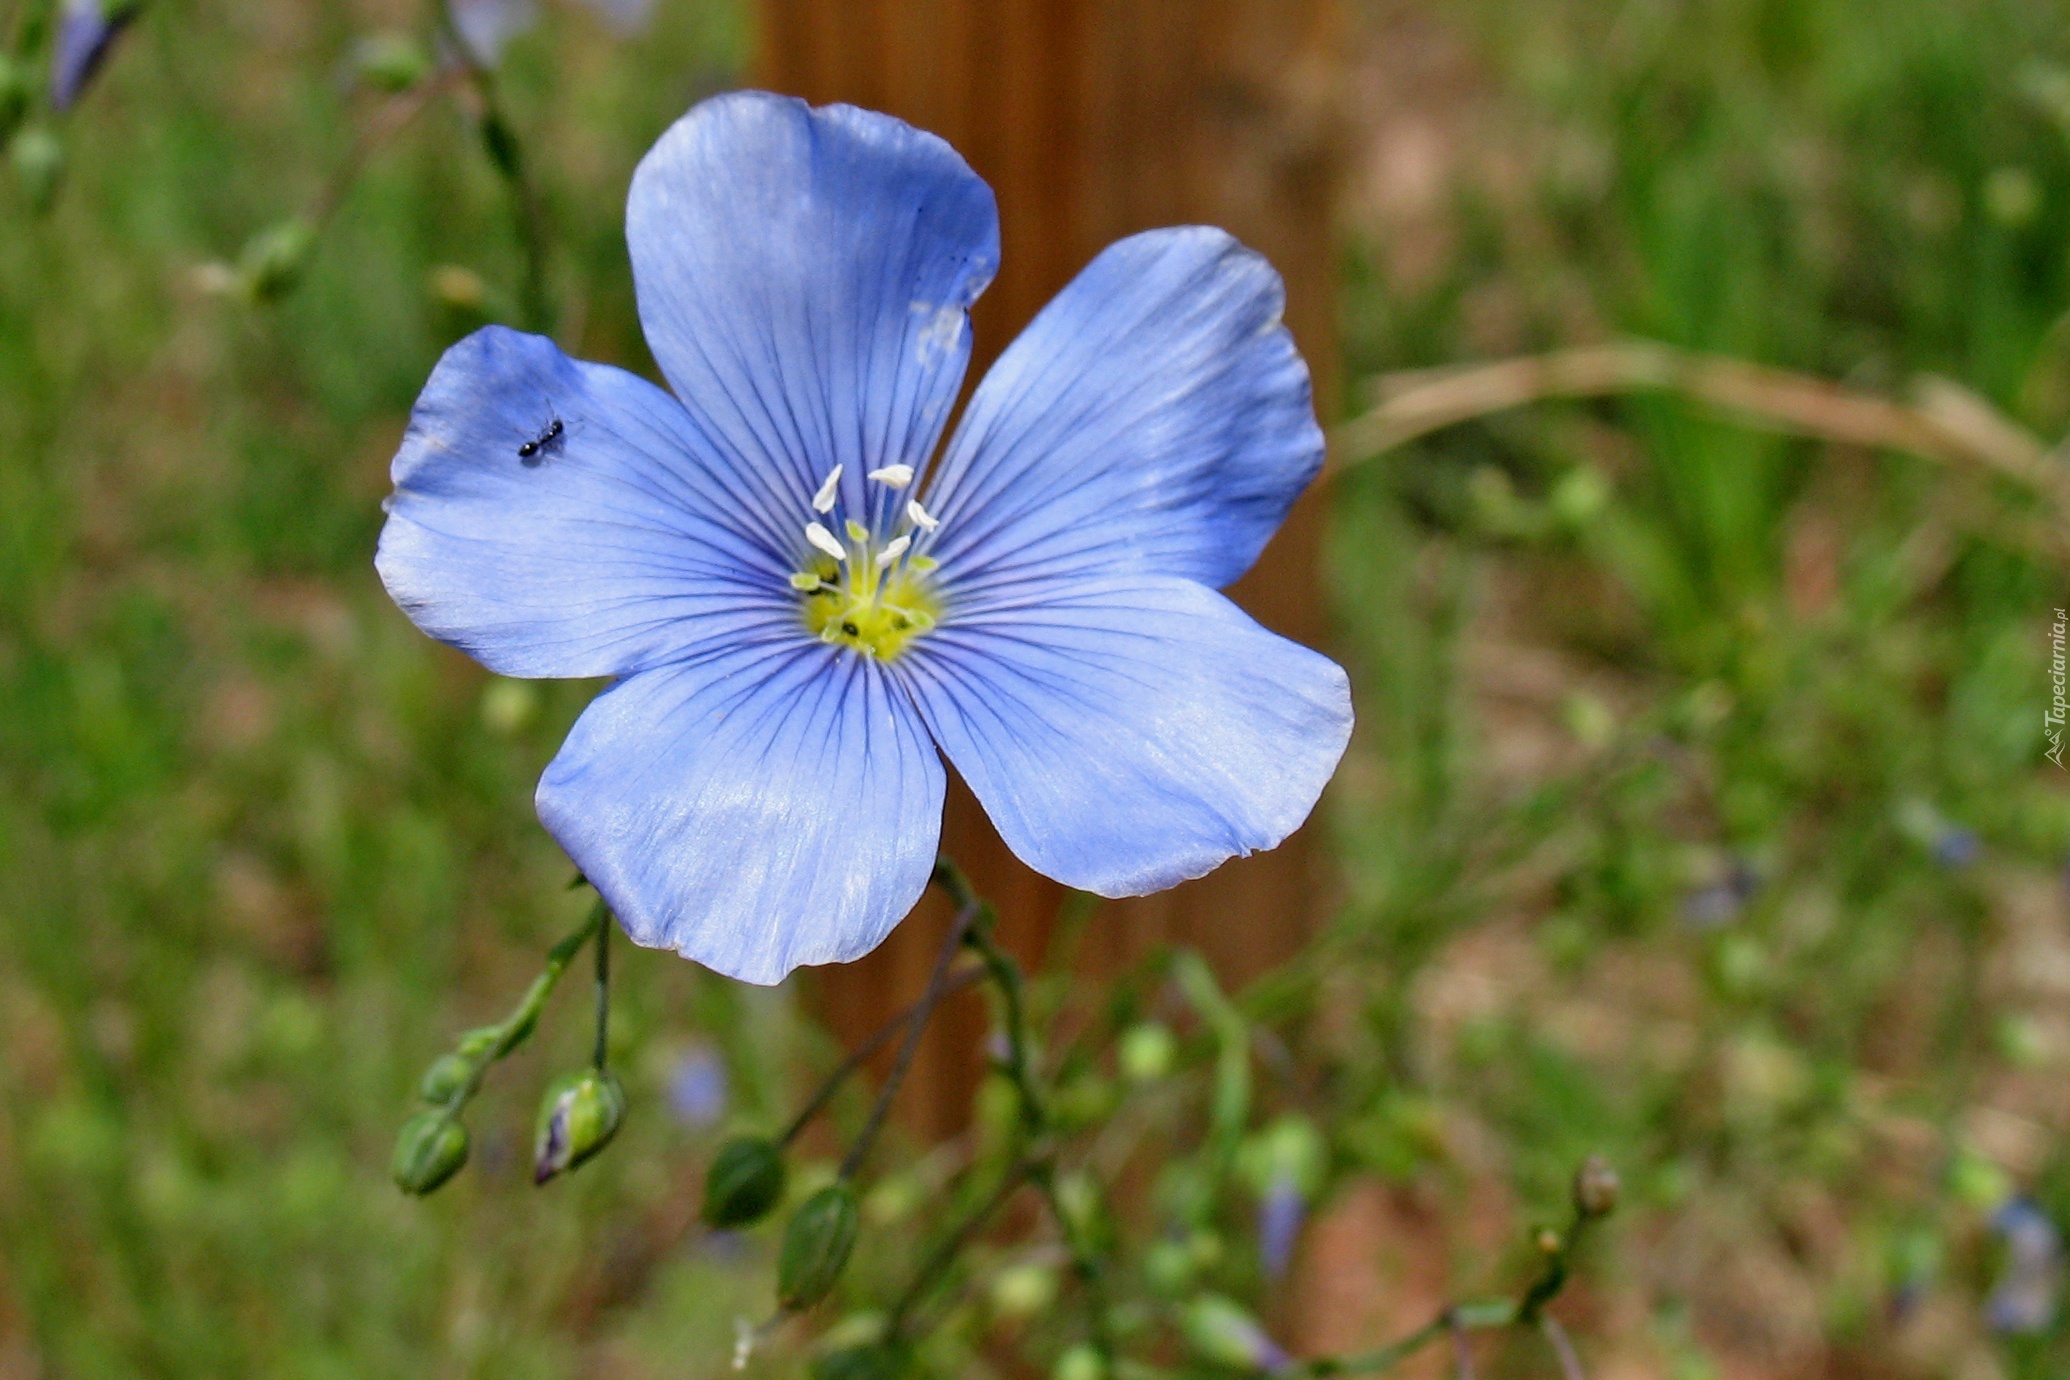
(2052, 721)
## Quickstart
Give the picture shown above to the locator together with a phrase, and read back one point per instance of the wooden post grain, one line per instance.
(1093, 119)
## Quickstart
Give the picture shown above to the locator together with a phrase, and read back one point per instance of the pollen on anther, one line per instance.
(893, 476)
(857, 532)
(892, 551)
(823, 501)
(805, 582)
(922, 519)
(825, 541)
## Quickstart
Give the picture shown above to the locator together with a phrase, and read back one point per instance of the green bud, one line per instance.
(577, 1118)
(272, 261)
(1289, 1151)
(1081, 1362)
(877, 1361)
(15, 86)
(1221, 1332)
(816, 1246)
(1146, 1052)
(447, 1076)
(478, 1043)
(39, 165)
(744, 1182)
(502, 146)
(1596, 1187)
(430, 1150)
(1023, 1290)
(391, 61)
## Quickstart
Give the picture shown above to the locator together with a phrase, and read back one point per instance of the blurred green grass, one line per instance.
(266, 849)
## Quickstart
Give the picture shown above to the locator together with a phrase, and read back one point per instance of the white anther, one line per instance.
(892, 551)
(825, 541)
(922, 519)
(823, 501)
(896, 476)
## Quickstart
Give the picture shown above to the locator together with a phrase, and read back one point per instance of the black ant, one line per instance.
(547, 442)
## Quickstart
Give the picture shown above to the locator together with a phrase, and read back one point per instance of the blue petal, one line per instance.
(769, 803)
(488, 26)
(86, 32)
(805, 278)
(1128, 733)
(614, 545)
(1155, 417)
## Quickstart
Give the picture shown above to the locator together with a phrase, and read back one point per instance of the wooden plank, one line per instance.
(1093, 119)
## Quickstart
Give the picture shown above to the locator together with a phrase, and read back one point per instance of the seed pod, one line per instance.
(1596, 1187)
(577, 1118)
(272, 261)
(816, 1246)
(744, 1183)
(429, 1150)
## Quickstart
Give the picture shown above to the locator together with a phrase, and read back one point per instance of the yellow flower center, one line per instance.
(877, 616)
(871, 591)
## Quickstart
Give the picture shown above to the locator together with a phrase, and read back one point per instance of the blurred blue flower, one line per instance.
(1956, 847)
(806, 612)
(1719, 904)
(1280, 1214)
(87, 30)
(2024, 1299)
(697, 1087)
(488, 26)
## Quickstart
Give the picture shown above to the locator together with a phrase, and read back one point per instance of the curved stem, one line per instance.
(937, 988)
(866, 1051)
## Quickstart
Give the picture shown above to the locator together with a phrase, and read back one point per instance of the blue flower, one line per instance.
(488, 26)
(805, 611)
(87, 30)
(2023, 1301)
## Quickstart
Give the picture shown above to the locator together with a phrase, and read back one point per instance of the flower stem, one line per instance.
(506, 154)
(937, 988)
(518, 1026)
(946, 1250)
(866, 1051)
(603, 992)
(1040, 1165)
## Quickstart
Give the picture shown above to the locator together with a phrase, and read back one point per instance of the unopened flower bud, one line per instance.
(1221, 1332)
(1596, 1187)
(429, 1150)
(39, 165)
(273, 260)
(1146, 1052)
(448, 1074)
(391, 61)
(875, 1361)
(577, 1118)
(816, 1246)
(15, 88)
(1081, 1362)
(744, 1182)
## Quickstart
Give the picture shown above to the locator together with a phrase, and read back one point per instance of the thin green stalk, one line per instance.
(602, 1049)
(866, 1051)
(507, 156)
(937, 988)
